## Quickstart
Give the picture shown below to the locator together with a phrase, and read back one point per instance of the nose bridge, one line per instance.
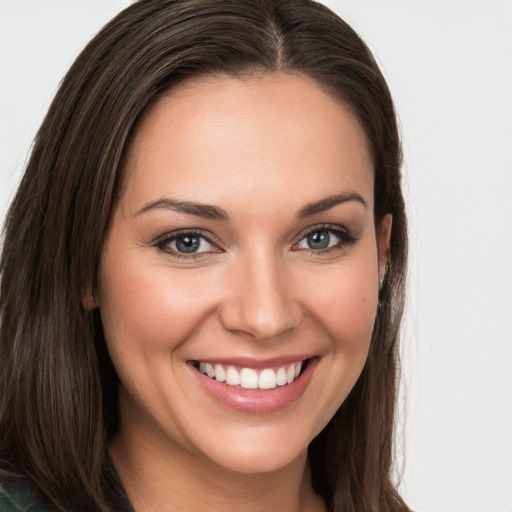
(262, 302)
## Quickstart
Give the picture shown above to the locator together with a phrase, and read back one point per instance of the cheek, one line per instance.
(149, 308)
(343, 305)
(344, 302)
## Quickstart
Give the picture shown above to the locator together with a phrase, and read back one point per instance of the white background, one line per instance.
(449, 65)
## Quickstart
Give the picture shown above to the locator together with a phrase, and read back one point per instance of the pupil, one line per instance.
(187, 243)
(318, 240)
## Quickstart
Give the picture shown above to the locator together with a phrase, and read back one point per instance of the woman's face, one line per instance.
(242, 245)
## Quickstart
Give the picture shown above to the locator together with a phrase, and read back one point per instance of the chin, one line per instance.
(261, 461)
(259, 450)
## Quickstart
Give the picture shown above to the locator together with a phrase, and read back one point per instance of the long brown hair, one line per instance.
(57, 385)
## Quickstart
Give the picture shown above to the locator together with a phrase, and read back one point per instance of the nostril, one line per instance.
(264, 324)
(261, 301)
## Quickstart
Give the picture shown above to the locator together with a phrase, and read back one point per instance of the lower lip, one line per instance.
(250, 400)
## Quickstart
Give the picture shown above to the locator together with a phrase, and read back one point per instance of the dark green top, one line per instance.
(18, 494)
(19, 497)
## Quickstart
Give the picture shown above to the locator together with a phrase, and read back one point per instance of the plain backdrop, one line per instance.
(449, 66)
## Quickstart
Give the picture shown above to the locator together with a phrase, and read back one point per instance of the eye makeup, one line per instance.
(194, 243)
(188, 243)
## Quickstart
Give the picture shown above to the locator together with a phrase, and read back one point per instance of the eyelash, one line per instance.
(346, 238)
(183, 233)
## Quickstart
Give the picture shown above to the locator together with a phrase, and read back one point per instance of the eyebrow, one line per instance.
(200, 210)
(328, 203)
(215, 213)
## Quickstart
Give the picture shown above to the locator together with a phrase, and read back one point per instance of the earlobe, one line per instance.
(89, 300)
(383, 244)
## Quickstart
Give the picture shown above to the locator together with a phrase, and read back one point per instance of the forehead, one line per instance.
(220, 132)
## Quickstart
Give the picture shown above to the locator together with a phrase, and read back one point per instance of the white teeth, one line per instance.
(281, 376)
(232, 376)
(267, 379)
(290, 374)
(220, 373)
(248, 378)
(209, 370)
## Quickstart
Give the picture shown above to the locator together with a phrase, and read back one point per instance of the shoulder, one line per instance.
(20, 495)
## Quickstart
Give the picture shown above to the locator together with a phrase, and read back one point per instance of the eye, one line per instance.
(324, 238)
(187, 244)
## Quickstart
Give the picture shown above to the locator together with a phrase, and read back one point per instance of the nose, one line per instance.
(262, 300)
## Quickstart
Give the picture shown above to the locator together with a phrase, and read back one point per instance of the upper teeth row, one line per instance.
(249, 378)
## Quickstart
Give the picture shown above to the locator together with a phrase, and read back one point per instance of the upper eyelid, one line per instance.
(167, 239)
(174, 234)
(347, 237)
(327, 227)
(211, 238)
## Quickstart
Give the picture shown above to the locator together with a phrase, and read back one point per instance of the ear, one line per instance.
(89, 300)
(383, 242)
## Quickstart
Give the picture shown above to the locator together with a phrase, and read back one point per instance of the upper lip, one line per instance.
(250, 362)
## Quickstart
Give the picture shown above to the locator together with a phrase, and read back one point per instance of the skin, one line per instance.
(260, 148)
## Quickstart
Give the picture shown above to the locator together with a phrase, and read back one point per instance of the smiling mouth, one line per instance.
(252, 378)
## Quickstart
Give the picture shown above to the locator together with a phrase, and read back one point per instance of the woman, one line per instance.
(203, 270)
